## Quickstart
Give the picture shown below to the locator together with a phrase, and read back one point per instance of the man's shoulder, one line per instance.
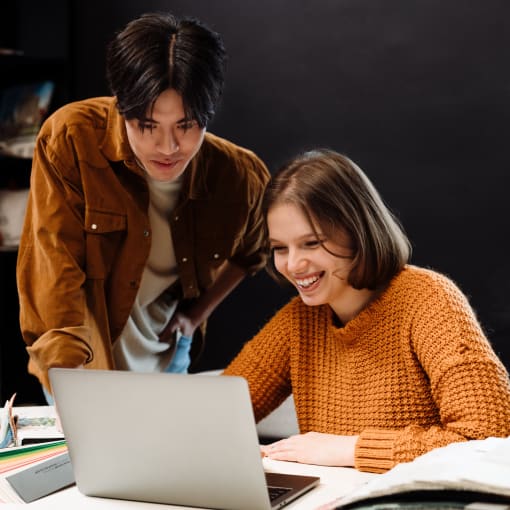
(220, 144)
(228, 154)
(91, 112)
(77, 131)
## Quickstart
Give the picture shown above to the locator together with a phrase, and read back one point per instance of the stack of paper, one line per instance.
(20, 456)
(16, 460)
(481, 468)
(34, 461)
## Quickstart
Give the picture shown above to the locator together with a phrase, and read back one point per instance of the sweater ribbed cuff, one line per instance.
(374, 450)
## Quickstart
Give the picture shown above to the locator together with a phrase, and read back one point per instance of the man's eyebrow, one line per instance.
(150, 120)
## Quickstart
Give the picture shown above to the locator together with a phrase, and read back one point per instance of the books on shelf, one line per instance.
(22, 110)
(13, 205)
(460, 475)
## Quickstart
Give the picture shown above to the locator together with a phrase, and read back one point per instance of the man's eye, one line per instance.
(187, 125)
(146, 126)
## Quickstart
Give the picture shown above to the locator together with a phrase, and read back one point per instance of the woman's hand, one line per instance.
(314, 448)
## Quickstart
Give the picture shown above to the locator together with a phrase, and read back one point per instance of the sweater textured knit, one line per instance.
(411, 372)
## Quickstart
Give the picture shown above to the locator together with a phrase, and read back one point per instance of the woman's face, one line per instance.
(166, 141)
(319, 276)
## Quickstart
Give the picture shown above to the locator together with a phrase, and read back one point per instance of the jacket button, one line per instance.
(216, 256)
(93, 226)
(184, 259)
(146, 233)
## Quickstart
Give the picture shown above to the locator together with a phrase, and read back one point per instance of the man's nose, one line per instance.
(168, 143)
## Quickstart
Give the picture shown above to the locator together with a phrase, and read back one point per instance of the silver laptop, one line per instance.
(167, 438)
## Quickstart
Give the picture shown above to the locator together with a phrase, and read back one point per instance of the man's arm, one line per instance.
(228, 278)
(49, 271)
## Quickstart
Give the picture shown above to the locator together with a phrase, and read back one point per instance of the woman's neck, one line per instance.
(353, 303)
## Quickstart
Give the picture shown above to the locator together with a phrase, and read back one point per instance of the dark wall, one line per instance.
(33, 47)
(418, 93)
(38, 29)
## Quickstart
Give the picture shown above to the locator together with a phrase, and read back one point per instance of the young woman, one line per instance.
(385, 360)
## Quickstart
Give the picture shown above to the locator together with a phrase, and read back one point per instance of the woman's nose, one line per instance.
(295, 261)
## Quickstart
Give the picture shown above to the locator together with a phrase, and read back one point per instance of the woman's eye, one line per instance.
(313, 244)
(277, 248)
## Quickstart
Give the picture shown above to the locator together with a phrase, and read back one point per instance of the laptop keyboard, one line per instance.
(276, 492)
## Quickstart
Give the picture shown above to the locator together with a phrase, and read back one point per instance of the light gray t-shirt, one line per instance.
(138, 348)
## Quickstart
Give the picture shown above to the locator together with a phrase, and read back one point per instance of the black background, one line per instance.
(416, 92)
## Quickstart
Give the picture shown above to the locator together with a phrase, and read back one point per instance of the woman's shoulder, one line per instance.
(425, 281)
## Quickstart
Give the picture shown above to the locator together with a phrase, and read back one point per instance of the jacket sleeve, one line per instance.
(264, 362)
(50, 273)
(468, 382)
(252, 252)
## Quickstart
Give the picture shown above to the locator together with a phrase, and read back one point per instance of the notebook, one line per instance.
(167, 438)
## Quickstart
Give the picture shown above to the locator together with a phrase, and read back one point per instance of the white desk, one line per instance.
(335, 482)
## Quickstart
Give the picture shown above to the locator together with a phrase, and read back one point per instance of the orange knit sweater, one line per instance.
(412, 372)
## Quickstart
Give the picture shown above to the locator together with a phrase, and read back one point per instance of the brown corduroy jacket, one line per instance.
(87, 236)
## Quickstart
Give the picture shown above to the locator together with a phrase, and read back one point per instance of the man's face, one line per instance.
(166, 141)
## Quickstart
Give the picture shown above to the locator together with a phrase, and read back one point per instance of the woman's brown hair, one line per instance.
(337, 196)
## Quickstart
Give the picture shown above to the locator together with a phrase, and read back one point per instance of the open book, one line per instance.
(455, 476)
(28, 425)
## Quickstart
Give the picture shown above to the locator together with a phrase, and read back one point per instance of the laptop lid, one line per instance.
(165, 438)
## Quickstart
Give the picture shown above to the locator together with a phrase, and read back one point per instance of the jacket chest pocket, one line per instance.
(105, 234)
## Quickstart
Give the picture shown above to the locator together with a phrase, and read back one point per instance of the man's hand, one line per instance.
(314, 448)
(180, 321)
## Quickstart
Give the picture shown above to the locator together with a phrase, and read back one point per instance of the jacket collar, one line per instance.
(115, 145)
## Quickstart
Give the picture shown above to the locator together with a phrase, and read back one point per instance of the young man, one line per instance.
(139, 223)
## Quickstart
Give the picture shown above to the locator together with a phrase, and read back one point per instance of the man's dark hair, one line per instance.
(158, 51)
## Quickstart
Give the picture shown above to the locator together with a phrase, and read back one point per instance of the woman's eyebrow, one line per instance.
(304, 237)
